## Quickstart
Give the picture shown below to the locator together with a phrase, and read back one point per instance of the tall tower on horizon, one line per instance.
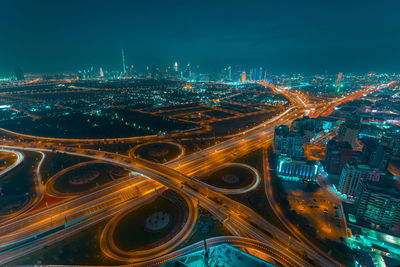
(243, 77)
(123, 61)
(176, 66)
(339, 80)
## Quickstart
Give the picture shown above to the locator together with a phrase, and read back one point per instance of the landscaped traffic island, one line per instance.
(83, 177)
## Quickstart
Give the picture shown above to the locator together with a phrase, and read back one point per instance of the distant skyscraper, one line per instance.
(197, 72)
(243, 77)
(154, 72)
(123, 61)
(188, 71)
(101, 72)
(261, 74)
(176, 66)
(338, 81)
(19, 75)
(132, 71)
(230, 73)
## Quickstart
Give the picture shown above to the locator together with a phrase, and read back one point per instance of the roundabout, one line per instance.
(145, 232)
(83, 177)
(232, 178)
(157, 221)
(159, 152)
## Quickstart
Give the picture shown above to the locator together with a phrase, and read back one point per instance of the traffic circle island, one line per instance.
(159, 152)
(156, 227)
(83, 177)
(232, 178)
(157, 221)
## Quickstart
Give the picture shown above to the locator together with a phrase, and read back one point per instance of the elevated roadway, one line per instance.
(178, 174)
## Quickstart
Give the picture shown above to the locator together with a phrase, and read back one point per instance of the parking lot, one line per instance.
(323, 213)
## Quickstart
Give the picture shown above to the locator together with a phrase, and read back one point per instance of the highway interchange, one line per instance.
(33, 230)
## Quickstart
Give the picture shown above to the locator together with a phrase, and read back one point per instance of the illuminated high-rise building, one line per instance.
(176, 66)
(378, 205)
(225, 74)
(289, 143)
(257, 74)
(338, 81)
(261, 74)
(154, 72)
(123, 61)
(197, 71)
(254, 74)
(352, 175)
(243, 77)
(188, 71)
(101, 72)
(229, 73)
(132, 70)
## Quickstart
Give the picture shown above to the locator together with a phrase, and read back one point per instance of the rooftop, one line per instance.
(221, 255)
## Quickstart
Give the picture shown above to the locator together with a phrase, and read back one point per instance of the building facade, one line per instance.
(337, 155)
(352, 175)
(297, 169)
(378, 205)
(288, 143)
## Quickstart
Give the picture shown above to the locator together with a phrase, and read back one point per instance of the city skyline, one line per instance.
(199, 133)
(288, 37)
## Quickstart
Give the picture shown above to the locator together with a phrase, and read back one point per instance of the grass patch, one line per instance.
(243, 175)
(55, 162)
(102, 173)
(158, 152)
(131, 233)
(18, 185)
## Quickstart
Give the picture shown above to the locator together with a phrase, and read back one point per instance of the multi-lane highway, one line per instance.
(147, 169)
(176, 175)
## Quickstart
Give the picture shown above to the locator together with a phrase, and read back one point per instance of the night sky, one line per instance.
(296, 36)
